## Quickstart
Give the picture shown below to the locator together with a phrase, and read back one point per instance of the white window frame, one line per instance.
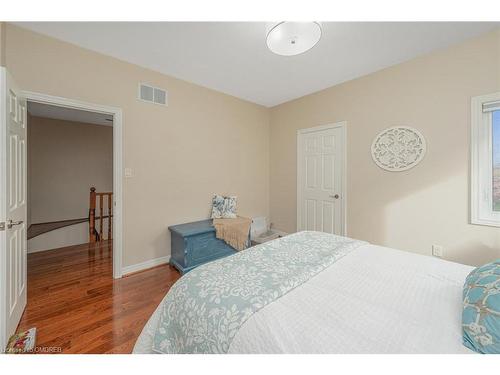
(481, 188)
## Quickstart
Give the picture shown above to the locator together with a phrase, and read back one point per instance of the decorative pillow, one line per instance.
(223, 207)
(481, 310)
(229, 208)
(217, 206)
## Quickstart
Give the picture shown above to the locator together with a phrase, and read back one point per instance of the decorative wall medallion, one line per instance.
(398, 148)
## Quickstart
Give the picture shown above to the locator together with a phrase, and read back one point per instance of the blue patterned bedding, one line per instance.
(204, 310)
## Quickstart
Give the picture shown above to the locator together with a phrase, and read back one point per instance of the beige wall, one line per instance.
(2, 43)
(202, 143)
(206, 142)
(65, 159)
(408, 210)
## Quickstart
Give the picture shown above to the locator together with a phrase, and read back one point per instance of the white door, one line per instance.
(13, 206)
(320, 179)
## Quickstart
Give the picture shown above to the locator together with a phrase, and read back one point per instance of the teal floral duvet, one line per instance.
(205, 309)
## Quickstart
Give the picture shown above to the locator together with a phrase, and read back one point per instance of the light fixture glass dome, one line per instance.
(293, 38)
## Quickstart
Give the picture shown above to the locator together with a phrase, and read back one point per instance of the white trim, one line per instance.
(480, 176)
(343, 126)
(491, 106)
(3, 189)
(145, 265)
(117, 162)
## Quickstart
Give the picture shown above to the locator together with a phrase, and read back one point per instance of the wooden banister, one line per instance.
(95, 235)
(100, 214)
(92, 236)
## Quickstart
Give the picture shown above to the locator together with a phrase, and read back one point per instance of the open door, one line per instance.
(13, 214)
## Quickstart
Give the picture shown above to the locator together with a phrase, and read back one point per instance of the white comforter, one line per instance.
(373, 300)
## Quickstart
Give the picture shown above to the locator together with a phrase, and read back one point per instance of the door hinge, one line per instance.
(2, 226)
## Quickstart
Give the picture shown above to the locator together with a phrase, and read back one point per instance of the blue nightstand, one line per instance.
(194, 244)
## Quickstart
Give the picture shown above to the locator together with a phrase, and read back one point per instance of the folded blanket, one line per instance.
(234, 232)
(205, 308)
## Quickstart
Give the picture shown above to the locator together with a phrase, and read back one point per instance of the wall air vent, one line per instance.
(152, 94)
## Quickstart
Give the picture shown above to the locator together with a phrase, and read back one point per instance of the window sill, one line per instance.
(485, 222)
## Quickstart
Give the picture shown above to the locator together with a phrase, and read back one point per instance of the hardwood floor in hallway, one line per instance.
(77, 306)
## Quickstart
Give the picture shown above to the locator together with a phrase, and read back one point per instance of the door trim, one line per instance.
(3, 191)
(343, 204)
(117, 162)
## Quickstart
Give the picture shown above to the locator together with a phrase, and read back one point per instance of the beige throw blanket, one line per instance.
(233, 231)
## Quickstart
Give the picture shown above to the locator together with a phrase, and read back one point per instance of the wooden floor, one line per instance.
(76, 305)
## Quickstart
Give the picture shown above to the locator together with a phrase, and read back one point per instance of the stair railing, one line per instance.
(97, 202)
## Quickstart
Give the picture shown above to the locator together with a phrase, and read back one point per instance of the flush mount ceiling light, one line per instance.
(293, 38)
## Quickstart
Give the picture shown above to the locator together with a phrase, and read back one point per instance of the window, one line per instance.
(485, 158)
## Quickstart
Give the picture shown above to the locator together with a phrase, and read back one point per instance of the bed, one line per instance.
(363, 299)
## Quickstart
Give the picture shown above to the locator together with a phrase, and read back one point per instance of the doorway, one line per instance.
(13, 193)
(116, 115)
(321, 192)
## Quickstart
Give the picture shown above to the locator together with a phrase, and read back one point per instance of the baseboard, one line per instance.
(145, 265)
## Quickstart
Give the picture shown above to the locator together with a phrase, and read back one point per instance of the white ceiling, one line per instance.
(69, 114)
(232, 57)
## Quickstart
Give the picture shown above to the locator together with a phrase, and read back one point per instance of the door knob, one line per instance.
(336, 196)
(11, 223)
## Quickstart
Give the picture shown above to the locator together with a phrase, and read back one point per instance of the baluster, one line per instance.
(101, 216)
(92, 236)
(110, 216)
